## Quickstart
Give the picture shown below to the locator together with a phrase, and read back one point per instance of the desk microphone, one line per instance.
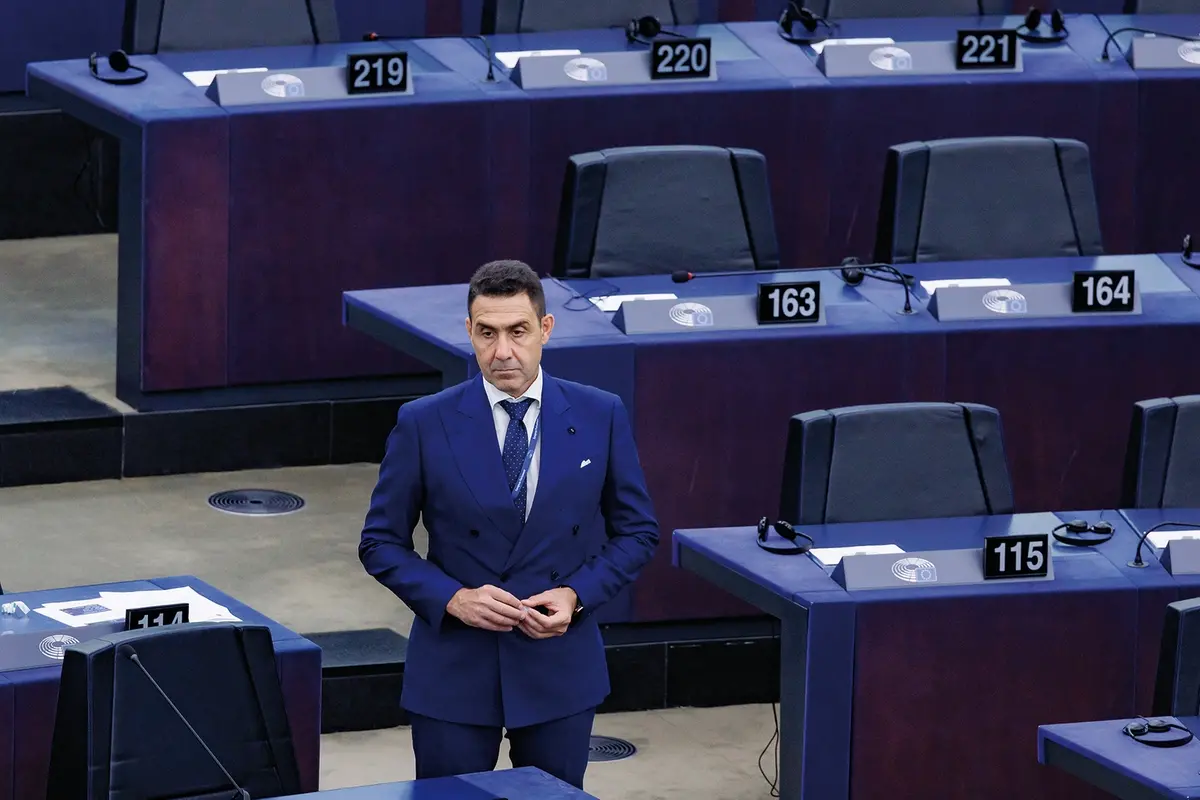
(683, 276)
(1137, 558)
(1112, 38)
(853, 273)
(487, 46)
(128, 651)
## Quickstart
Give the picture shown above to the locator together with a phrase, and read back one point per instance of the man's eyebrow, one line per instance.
(521, 324)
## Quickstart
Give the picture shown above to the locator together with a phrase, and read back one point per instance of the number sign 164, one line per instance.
(1108, 290)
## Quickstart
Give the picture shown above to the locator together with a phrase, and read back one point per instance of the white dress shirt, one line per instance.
(500, 417)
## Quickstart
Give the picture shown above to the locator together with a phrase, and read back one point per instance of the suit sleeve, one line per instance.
(386, 546)
(629, 521)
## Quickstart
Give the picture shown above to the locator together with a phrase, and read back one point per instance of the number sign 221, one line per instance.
(789, 302)
(986, 50)
(680, 58)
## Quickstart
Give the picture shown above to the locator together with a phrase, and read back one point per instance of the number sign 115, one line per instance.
(1016, 556)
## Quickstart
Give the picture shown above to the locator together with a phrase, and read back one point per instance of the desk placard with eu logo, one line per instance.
(378, 73)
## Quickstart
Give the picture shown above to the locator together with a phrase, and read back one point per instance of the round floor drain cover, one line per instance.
(257, 502)
(606, 748)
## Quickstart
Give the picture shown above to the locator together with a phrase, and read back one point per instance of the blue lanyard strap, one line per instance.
(533, 440)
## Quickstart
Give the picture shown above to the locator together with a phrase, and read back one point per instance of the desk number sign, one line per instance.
(780, 303)
(680, 58)
(156, 616)
(986, 50)
(1016, 556)
(376, 73)
(1103, 290)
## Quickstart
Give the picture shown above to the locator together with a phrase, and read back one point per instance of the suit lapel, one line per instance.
(472, 432)
(559, 446)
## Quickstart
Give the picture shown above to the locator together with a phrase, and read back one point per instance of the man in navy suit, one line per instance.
(537, 513)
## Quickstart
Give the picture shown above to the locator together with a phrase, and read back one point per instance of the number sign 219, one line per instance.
(377, 73)
(1103, 290)
(789, 302)
(986, 50)
(680, 58)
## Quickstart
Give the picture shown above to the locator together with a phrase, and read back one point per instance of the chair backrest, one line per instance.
(895, 461)
(1162, 460)
(992, 197)
(849, 9)
(1177, 683)
(116, 738)
(529, 16)
(647, 210)
(153, 26)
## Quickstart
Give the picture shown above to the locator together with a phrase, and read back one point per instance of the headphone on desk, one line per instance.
(785, 530)
(794, 13)
(641, 29)
(1157, 733)
(1077, 530)
(1186, 255)
(118, 61)
(1027, 30)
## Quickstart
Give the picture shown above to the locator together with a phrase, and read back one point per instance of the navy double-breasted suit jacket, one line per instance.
(591, 527)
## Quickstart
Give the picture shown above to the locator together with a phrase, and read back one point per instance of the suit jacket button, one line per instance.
(575, 530)
(553, 576)
(504, 576)
(474, 533)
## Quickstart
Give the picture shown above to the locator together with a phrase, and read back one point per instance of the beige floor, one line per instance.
(302, 569)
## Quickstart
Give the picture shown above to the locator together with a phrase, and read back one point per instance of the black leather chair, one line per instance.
(116, 738)
(647, 210)
(895, 461)
(992, 197)
(1162, 460)
(1177, 683)
(154, 26)
(849, 9)
(528, 16)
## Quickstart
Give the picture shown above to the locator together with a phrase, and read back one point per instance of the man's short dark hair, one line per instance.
(506, 279)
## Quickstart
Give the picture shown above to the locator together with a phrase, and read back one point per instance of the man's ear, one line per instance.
(547, 326)
(468, 325)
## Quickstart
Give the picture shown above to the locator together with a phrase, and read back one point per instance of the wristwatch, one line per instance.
(578, 605)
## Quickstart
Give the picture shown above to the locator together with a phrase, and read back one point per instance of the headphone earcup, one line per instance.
(119, 61)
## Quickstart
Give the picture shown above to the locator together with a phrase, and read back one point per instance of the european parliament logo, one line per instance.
(586, 69)
(915, 570)
(1190, 52)
(1005, 301)
(54, 646)
(691, 315)
(283, 85)
(891, 59)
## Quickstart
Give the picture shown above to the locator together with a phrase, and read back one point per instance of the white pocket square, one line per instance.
(585, 462)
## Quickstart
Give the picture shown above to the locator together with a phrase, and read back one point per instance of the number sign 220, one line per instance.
(680, 58)
(986, 50)
(376, 73)
(789, 302)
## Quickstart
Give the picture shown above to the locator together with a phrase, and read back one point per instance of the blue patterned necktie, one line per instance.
(516, 446)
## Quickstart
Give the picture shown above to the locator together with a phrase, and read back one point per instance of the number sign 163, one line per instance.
(986, 50)
(681, 58)
(789, 302)
(1103, 290)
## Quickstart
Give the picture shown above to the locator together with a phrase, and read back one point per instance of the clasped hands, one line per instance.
(493, 609)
